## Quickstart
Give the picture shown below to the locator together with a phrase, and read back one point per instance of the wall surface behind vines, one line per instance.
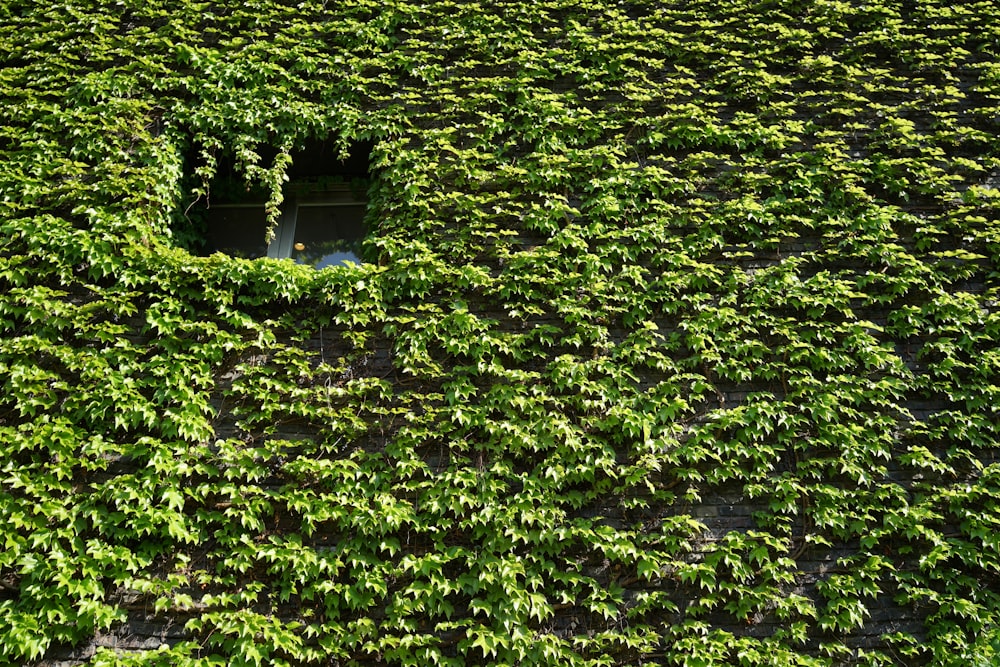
(677, 342)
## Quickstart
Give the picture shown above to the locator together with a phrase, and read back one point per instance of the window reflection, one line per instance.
(328, 235)
(319, 230)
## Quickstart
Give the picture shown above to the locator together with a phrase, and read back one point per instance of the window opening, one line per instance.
(322, 218)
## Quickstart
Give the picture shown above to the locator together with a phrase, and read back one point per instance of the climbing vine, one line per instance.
(678, 345)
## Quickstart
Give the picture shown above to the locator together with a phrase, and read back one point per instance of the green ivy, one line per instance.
(677, 345)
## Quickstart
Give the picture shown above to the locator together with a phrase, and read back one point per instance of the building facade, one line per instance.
(668, 335)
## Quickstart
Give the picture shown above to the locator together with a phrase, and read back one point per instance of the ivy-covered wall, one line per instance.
(677, 345)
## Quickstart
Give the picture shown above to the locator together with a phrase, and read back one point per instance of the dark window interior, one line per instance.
(322, 221)
(237, 230)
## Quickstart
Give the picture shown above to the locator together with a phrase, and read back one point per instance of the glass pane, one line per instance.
(329, 235)
(237, 230)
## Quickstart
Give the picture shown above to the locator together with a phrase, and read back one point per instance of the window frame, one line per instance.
(301, 195)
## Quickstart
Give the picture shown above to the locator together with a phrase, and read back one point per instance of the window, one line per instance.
(322, 219)
(323, 228)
